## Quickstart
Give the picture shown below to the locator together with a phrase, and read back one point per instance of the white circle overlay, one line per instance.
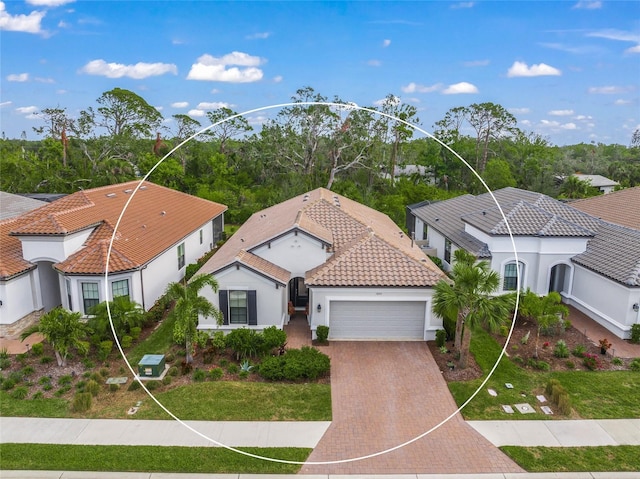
(343, 106)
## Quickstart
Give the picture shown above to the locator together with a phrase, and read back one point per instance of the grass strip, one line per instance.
(51, 407)
(576, 459)
(158, 342)
(148, 459)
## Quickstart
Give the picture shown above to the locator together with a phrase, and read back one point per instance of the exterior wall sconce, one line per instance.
(319, 308)
(636, 307)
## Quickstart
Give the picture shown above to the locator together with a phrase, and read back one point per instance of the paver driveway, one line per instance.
(386, 393)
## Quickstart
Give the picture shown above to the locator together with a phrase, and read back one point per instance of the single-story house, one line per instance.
(601, 183)
(344, 264)
(15, 205)
(593, 264)
(57, 254)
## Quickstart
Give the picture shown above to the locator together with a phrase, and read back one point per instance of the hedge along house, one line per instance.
(57, 254)
(345, 265)
(594, 265)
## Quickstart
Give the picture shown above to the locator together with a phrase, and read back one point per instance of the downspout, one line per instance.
(142, 286)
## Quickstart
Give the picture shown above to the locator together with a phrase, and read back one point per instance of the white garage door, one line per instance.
(380, 320)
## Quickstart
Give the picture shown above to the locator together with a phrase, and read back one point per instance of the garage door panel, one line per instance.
(390, 320)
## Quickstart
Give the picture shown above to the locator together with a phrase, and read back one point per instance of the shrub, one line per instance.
(543, 366)
(114, 387)
(4, 353)
(64, 380)
(243, 374)
(199, 375)
(223, 362)
(126, 342)
(134, 386)
(173, 371)
(635, 333)
(561, 350)
(135, 332)
(92, 387)
(27, 370)
(271, 368)
(80, 385)
(46, 360)
(443, 349)
(44, 380)
(62, 391)
(152, 385)
(296, 364)
(564, 404)
(504, 331)
(518, 359)
(616, 361)
(81, 402)
(591, 361)
(104, 349)
(579, 351)
(20, 392)
(169, 358)
(215, 374)
(525, 338)
(47, 387)
(570, 364)
(549, 387)
(635, 365)
(38, 395)
(5, 363)
(218, 341)
(97, 377)
(104, 372)
(273, 338)
(233, 368)
(167, 380)
(441, 337)
(88, 364)
(245, 343)
(556, 392)
(322, 333)
(37, 349)
(185, 368)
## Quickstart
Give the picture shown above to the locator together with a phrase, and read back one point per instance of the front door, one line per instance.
(298, 292)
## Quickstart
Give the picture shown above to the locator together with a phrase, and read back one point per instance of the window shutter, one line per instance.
(253, 310)
(223, 296)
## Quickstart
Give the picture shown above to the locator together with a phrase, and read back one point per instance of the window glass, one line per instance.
(90, 296)
(510, 280)
(238, 307)
(120, 288)
(181, 256)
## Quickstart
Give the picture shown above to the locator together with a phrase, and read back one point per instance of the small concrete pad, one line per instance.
(508, 385)
(541, 398)
(508, 409)
(492, 392)
(547, 410)
(525, 408)
(119, 380)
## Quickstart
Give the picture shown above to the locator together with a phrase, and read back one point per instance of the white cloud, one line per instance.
(476, 63)
(21, 23)
(63, 24)
(583, 117)
(195, 112)
(215, 91)
(620, 101)
(61, 92)
(635, 49)
(212, 105)
(395, 100)
(159, 108)
(180, 104)
(26, 110)
(613, 34)
(5, 103)
(521, 69)
(561, 112)
(463, 5)
(588, 5)
(413, 99)
(257, 120)
(49, 3)
(519, 111)
(417, 88)
(606, 90)
(556, 125)
(525, 122)
(458, 88)
(210, 68)
(259, 36)
(277, 79)
(177, 41)
(374, 63)
(118, 70)
(44, 80)
(386, 42)
(18, 77)
(569, 126)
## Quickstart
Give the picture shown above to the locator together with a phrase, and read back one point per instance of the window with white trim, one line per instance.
(510, 276)
(120, 288)
(447, 250)
(90, 296)
(181, 257)
(201, 236)
(238, 307)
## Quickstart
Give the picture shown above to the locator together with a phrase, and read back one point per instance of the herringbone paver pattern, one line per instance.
(386, 393)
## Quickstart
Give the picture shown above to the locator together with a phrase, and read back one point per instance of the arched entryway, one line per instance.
(49, 285)
(559, 278)
(298, 293)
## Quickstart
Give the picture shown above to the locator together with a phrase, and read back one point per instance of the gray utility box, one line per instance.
(151, 365)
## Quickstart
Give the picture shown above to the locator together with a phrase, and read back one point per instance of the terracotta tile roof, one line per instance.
(11, 261)
(265, 267)
(369, 249)
(620, 207)
(155, 219)
(615, 253)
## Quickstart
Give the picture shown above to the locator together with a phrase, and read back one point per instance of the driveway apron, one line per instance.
(387, 393)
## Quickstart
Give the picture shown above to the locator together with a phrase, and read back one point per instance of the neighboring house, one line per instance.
(621, 207)
(593, 264)
(602, 183)
(15, 205)
(57, 254)
(345, 265)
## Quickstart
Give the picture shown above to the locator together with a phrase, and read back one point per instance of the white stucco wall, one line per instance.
(18, 298)
(53, 248)
(296, 253)
(271, 302)
(607, 302)
(324, 296)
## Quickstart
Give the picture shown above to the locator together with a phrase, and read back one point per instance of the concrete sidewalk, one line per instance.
(135, 432)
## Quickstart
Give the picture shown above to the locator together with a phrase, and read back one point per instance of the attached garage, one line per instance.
(377, 320)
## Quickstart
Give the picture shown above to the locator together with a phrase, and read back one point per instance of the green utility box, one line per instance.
(151, 365)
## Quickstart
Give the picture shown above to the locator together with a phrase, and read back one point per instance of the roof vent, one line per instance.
(128, 190)
(437, 219)
(142, 188)
(110, 195)
(163, 213)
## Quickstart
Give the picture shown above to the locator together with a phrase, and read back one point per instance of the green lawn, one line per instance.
(11, 407)
(148, 459)
(576, 459)
(594, 394)
(158, 342)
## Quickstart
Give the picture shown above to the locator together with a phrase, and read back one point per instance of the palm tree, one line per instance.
(546, 311)
(125, 314)
(189, 305)
(470, 299)
(64, 330)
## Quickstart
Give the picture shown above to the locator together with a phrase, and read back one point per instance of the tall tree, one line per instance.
(58, 125)
(227, 129)
(64, 330)
(189, 305)
(546, 311)
(471, 297)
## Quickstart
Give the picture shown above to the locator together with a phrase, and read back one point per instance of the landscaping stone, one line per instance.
(508, 385)
(546, 409)
(492, 392)
(541, 398)
(525, 408)
(508, 409)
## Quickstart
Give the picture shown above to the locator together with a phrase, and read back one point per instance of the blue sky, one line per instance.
(567, 70)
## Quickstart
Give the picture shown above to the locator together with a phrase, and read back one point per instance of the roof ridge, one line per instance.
(634, 275)
(505, 217)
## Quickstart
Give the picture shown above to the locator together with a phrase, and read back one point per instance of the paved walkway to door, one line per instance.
(386, 393)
